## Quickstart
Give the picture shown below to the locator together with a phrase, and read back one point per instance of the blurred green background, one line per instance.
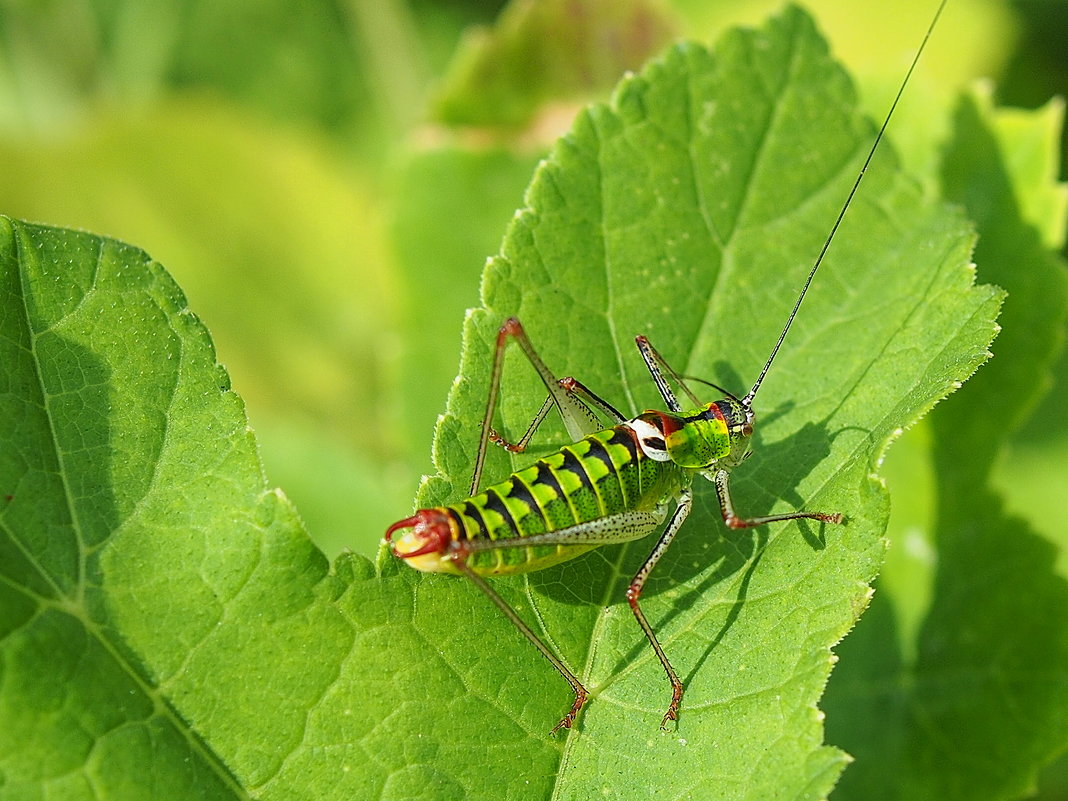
(325, 180)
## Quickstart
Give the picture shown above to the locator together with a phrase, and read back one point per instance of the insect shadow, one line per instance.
(707, 541)
(726, 560)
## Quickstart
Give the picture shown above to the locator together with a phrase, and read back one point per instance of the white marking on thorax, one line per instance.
(650, 438)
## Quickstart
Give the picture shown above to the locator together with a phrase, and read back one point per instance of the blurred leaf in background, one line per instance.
(547, 52)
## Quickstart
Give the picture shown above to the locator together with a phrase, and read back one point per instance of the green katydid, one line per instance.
(620, 480)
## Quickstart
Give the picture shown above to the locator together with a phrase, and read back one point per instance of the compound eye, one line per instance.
(747, 429)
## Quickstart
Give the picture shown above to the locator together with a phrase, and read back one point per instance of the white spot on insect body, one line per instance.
(650, 439)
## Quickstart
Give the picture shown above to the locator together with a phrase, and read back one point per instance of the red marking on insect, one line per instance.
(431, 532)
(669, 423)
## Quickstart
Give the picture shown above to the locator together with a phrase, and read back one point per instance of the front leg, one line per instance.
(730, 517)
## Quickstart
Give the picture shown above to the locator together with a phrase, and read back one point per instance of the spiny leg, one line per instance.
(521, 444)
(634, 592)
(731, 519)
(659, 369)
(573, 387)
(576, 686)
(674, 524)
(604, 530)
(579, 419)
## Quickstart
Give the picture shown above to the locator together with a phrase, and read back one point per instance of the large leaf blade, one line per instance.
(688, 210)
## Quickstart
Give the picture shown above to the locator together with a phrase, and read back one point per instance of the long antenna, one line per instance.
(748, 399)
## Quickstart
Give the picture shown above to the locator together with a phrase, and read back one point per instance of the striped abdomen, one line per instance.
(600, 475)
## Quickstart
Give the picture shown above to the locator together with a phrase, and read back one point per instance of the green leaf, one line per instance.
(168, 630)
(689, 211)
(150, 578)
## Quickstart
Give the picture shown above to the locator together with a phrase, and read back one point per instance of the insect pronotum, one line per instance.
(611, 485)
